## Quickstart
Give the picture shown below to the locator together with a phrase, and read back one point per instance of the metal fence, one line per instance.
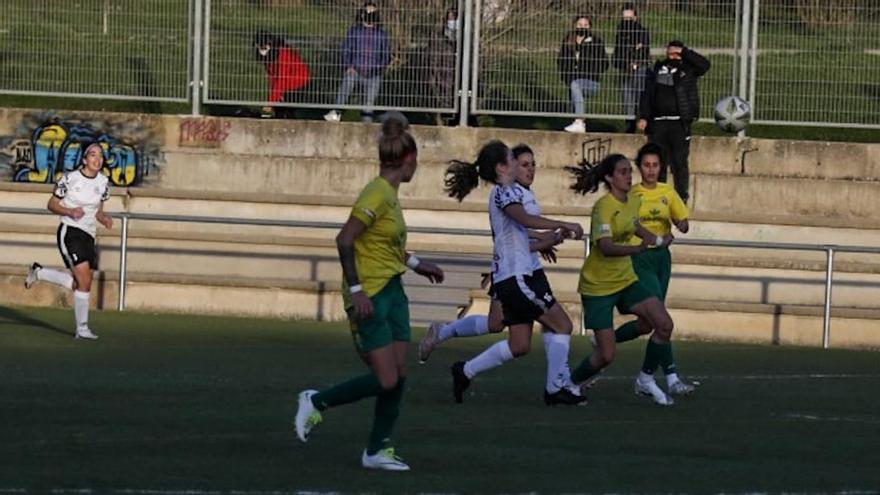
(96, 48)
(800, 62)
(525, 49)
(334, 55)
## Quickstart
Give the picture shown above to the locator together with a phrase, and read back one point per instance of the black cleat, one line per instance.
(564, 396)
(460, 381)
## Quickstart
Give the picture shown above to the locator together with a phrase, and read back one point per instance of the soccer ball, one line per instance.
(732, 114)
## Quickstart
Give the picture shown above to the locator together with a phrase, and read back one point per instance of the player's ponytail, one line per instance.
(395, 142)
(587, 177)
(462, 177)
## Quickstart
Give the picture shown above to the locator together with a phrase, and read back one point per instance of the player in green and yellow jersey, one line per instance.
(372, 251)
(661, 209)
(608, 279)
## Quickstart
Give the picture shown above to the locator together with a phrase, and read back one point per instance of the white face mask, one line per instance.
(263, 51)
(452, 25)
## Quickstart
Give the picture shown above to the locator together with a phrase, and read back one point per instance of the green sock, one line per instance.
(385, 416)
(667, 361)
(584, 371)
(628, 331)
(347, 392)
(653, 354)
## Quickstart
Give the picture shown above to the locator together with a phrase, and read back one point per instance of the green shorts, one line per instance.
(599, 310)
(389, 322)
(654, 268)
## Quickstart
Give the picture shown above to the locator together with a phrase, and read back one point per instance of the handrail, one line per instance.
(126, 218)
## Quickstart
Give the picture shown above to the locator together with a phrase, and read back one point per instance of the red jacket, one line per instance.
(286, 73)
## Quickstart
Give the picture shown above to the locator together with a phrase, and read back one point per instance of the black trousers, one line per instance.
(675, 139)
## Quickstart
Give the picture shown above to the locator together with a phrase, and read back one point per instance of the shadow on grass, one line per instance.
(9, 316)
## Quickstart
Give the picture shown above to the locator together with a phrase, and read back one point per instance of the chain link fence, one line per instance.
(96, 48)
(397, 54)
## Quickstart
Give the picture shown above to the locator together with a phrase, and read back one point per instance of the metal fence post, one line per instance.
(829, 273)
(196, 67)
(753, 56)
(744, 42)
(464, 89)
(123, 254)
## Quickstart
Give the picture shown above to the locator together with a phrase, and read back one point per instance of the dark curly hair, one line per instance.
(588, 177)
(462, 177)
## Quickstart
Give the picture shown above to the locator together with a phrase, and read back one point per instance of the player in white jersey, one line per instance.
(79, 199)
(518, 280)
(476, 325)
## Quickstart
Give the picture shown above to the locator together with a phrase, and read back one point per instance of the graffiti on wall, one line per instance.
(45, 147)
(203, 132)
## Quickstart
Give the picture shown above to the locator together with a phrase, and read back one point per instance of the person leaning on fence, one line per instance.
(286, 71)
(631, 57)
(581, 61)
(668, 107)
(443, 55)
(366, 53)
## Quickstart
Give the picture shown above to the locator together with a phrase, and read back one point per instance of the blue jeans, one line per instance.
(580, 90)
(631, 87)
(370, 86)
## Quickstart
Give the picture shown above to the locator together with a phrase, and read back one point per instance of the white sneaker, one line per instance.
(650, 389)
(31, 278)
(86, 334)
(679, 387)
(577, 127)
(307, 417)
(429, 342)
(333, 116)
(384, 459)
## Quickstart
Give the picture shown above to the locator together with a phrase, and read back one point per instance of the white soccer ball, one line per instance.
(732, 114)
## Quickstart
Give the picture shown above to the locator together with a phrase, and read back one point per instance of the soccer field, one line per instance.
(168, 404)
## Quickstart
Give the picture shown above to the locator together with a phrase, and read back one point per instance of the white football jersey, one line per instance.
(75, 190)
(530, 203)
(511, 255)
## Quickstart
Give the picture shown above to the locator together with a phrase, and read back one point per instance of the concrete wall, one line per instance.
(752, 178)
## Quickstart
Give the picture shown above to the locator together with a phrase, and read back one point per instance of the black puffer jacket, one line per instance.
(687, 95)
(587, 60)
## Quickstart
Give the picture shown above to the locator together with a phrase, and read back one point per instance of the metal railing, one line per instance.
(828, 249)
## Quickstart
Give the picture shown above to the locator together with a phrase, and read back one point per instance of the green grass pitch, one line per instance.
(188, 404)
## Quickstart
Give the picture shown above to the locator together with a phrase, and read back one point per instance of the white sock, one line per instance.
(645, 378)
(556, 346)
(671, 378)
(469, 326)
(56, 277)
(81, 309)
(494, 356)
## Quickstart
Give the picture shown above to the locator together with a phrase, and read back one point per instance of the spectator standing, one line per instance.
(631, 57)
(443, 56)
(366, 53)
(668, 107)
(581, 62)
(286, 71)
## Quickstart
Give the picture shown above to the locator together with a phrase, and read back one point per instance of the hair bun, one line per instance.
(394, 123)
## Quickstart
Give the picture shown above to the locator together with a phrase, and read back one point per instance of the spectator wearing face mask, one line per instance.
(285, 70)
(443, 54)
(668, 107)
(581, 62)
(631, 58)
(366, 53)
